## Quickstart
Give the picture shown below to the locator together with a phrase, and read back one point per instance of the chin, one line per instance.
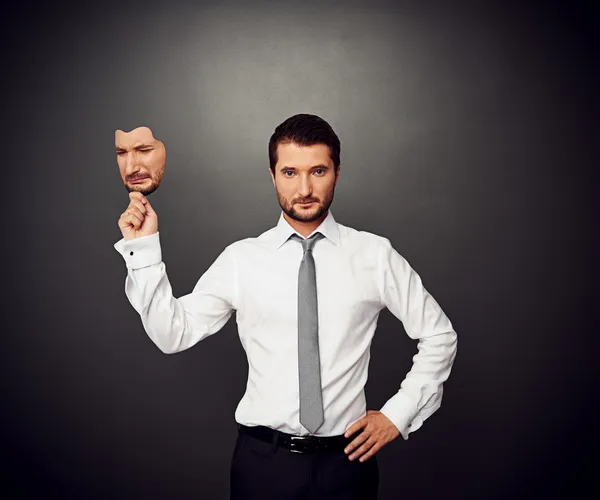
(144, 190)
(308, 216)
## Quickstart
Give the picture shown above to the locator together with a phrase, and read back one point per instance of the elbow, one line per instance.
(451, 342)
(454, 343)
(167, 347)
(166, 350)
(166, 336)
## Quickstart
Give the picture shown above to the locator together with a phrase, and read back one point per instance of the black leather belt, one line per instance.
(298, 444)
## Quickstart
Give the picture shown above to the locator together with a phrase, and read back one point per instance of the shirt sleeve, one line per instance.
(176, 324)
(420, 393)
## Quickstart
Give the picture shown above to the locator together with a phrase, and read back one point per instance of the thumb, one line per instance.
(149, 208)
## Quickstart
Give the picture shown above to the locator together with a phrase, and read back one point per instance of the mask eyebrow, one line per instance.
(136, 147)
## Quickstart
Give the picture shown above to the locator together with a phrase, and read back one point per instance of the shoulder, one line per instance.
(243, 245)
(362, 238)
(375, 246)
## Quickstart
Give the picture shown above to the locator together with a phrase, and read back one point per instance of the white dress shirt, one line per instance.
(357, 273)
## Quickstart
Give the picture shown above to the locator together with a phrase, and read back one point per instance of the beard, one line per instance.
(145, 188)
(149, 185)
(315, 212)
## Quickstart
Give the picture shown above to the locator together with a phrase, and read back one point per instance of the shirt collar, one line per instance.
(283, 231)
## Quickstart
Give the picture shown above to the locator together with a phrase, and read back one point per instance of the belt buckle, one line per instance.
(293, 449)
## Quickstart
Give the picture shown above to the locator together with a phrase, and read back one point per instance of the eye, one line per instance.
(120, 153)
(144, 150)
(291, 172)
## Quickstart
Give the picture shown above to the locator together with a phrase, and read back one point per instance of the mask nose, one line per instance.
(131, 164)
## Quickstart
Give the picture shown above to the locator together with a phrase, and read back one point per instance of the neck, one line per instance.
(305, 228)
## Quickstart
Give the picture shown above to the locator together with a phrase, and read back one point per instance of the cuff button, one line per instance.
(131, 253)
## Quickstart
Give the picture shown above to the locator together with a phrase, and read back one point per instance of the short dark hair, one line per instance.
(304, 130)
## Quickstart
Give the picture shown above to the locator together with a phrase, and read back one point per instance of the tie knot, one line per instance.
(307, 244)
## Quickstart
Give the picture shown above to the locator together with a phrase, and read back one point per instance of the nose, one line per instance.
(305, 189)
(131, 163)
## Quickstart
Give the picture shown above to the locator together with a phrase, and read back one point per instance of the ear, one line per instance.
(272, 176)
(337, 174)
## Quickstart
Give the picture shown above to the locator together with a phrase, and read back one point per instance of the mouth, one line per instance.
(306, 204)
(138, 180)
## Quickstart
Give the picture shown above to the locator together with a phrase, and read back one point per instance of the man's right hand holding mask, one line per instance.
(139, 219)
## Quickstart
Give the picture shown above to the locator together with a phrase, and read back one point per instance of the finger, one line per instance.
(149, 208)
(136, 211)
(374, 449)
(140, 206)
(357, 441)
(135, 195)
(355, 427)
(138, 197)
(365, 447)
(136, 207)
(134, 220)
(125, 220)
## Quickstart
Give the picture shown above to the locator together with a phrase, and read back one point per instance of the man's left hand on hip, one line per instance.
(377, 431)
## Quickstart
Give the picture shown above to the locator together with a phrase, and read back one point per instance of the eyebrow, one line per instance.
(138, 146)
(324, 167)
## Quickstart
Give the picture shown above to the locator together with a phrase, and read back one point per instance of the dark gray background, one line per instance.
(466, 133)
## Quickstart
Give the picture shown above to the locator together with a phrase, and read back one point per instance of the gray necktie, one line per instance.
(309, 366)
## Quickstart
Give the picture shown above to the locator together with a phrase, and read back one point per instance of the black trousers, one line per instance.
(266, 471)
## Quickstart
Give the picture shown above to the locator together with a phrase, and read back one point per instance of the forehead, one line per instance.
(296, 156)
(139, 134)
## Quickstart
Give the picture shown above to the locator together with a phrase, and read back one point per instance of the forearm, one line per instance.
(164, 319)
(420, 393)
(172, 324)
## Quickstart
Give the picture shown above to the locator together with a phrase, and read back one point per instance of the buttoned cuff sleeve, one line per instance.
(140, 252)
(403, 413)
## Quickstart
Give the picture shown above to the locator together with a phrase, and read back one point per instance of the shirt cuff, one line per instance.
(403, 413)
(140, 252)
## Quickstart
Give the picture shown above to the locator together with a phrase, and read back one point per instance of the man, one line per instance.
(141, 159)
(308, 295)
